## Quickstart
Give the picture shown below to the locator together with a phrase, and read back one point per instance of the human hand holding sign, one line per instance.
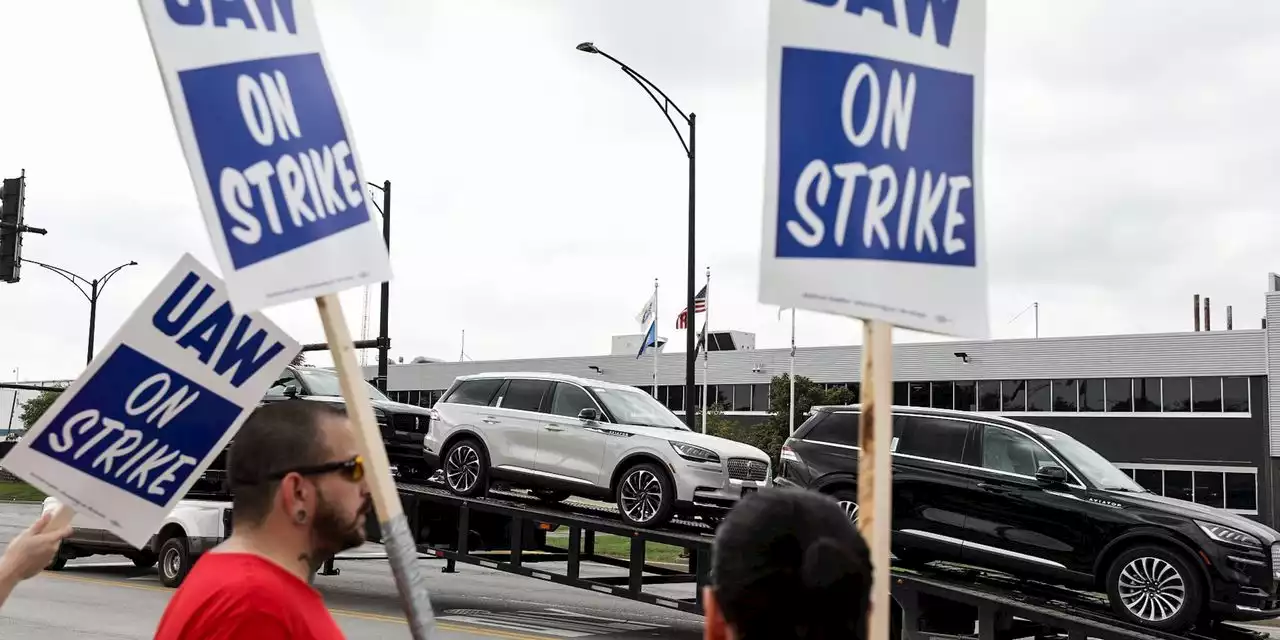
(30, 552)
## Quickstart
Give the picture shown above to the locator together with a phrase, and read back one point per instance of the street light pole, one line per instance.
(667, 106)
(384, 304)
(95, 290)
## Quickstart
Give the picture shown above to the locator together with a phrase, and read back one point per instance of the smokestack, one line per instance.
(1228, 317)
(1207, 327)
(1195, 311)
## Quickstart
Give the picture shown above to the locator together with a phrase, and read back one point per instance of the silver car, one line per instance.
(560, 435)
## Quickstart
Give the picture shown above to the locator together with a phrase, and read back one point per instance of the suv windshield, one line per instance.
(637, 408)
(1090, 463)
(322, 382)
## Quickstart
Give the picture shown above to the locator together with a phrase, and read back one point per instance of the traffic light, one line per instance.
(12, 196)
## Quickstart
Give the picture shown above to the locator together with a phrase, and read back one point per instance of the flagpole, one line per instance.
(655, 338)
(706, 350)
(792, 413)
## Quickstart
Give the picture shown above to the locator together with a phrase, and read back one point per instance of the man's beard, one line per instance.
(332, 533)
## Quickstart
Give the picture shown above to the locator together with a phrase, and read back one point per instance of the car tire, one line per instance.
(143, 560)
(848, 500)
(59, 561)
(645, 496)
(1145, 582)
(466, 468)
(549, 496)
(175, 561)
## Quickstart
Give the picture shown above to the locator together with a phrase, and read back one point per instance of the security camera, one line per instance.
(963, 356)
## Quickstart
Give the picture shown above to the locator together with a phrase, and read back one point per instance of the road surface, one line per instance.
(107, 597)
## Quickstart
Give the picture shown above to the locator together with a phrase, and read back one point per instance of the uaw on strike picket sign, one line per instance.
(127, 440)
(873, 188)
(269, 148)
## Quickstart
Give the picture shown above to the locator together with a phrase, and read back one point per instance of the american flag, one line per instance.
(699, 306)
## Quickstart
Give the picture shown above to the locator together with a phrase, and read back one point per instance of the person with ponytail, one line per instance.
(788, 564)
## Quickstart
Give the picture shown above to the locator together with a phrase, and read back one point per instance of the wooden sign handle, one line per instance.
(875, 471)
(402, 552)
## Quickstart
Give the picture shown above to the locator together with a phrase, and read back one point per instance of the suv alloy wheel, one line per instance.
(1155, 587)
(466, 468)
(645, 496)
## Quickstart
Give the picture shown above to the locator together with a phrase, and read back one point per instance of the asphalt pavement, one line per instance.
(107, 597)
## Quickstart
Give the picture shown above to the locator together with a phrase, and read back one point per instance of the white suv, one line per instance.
(560, 435)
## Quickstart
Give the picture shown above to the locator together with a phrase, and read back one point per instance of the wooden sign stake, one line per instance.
(402, 553)
(875, 479)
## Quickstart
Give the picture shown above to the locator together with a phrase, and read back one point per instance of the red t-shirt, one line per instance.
(228, 596)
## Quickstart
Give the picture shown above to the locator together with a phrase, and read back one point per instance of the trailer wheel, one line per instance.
(1155, 587)
(466, 468)
(175, 561)
(645, 496)
(59, 561)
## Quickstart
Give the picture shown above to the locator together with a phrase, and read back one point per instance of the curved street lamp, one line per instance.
(95, 289)
(667, 106)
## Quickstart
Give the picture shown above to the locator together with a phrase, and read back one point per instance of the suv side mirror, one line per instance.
(590, 415)
(290, 392)
(1051, 474)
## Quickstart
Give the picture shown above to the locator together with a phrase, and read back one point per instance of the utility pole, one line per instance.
(14, 406)
(384, 307)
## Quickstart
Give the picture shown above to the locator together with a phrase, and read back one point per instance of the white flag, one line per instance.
(646, 314)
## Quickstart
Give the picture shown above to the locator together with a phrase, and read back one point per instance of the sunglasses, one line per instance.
(352, 469)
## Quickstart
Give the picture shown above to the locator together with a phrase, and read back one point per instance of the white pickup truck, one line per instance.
(193, 527)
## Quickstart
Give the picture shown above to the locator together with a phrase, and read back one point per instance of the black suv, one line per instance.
(403, 426)
(1035, 503)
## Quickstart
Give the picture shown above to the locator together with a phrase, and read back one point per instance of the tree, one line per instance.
(299, 360)
(770, 435)
(35, 407)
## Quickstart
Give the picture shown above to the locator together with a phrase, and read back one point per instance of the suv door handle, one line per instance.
(994, 488)
(490, 420)
(552, 427)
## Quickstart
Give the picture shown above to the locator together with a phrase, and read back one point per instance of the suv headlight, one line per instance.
(1227, 535)
(696, 454)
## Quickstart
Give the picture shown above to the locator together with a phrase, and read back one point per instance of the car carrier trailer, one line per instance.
(507, 531)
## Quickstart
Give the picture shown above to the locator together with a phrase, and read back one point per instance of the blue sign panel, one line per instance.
(875, 160)
(139, 426)
(281, 169)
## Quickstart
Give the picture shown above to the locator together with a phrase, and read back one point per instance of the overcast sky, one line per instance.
(1131, 161)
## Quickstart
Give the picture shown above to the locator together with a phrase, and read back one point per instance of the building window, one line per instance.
(1119, 394)
(1235, 394)
(918, 394)
(1039, 396)
(941, 395)
(1013, 394)
(1231, 488)
(1175, 395)
(901, 394)
(988, 395)
(1151, 479)
(1064, 395)
(1146, 394)
(966, 395)
(675, 398)
(1206, 394)
(1177, 484)
(759, 397)
(1242, 491)
(1209, 490)
(1093, 395)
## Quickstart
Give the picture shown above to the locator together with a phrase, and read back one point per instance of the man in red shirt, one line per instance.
(299, 498)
